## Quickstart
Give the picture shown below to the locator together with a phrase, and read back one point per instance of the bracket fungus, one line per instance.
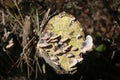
(87, 44)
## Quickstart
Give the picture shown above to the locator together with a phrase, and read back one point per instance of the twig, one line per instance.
(3, 18)
(16, 18)
(37, 21)
(14, 1)
(45, 20)
(3, 15)
(25, 47)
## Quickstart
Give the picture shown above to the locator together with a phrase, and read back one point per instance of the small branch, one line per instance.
(14, 1)
(3, 15)
(37, 21)
(45, 20)
(15, 17)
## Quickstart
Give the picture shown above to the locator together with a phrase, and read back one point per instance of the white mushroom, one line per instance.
(64, 40)
(87, 44)
(54, 58)
(59, 51)
(56, 63)
(73, 69)
(67, 48)
(74, 49)
(43, 45)
(72, 62)
(54, 37)
(78, 36)
(79, 59)
(54, 40)
(46, 36)
(69, 55)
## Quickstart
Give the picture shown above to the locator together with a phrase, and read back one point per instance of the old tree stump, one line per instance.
(60, 43)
